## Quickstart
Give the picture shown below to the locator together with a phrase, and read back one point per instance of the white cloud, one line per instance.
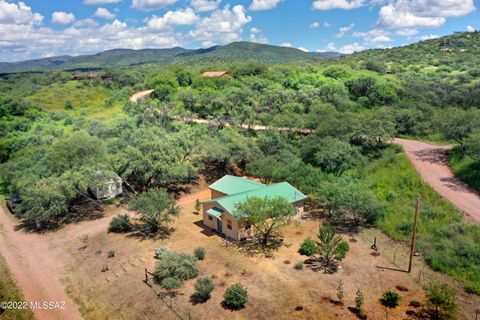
(344, 30)
(429, 37)
(314, 25)
(286, 44)
(174, 18)
(205, 5)
(337, 4)
(351, 48)
(412, 14)
(302, 49)
(221, 26)
(148, 5)
(331, 47)
(326, 24)
(104, 13)
(374, 36)
(258, 5)
(471, 28)
(89, 22)
(257, 36)
(18, 13)
(407, 32)
(62, 17)
(99, 2)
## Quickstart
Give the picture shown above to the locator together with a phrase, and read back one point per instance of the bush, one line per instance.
(298, 265)
(343, 248)
(440, 299)
(176, 265)
(203, 287)
(199, 253)
(308, 247)
(390, 298)
(171, 283)
(111, 254)
(160, 251)
(120, 223)
(359, 299)
(235, 297)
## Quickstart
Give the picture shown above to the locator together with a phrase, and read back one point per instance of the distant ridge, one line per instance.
(236, 51)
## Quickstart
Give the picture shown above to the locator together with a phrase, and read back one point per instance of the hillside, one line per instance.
(238, 51)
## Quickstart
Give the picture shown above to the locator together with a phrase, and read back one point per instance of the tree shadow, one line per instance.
(143, 233)
(317, 264)
(253, 246)
(224, 306)
(195, 299)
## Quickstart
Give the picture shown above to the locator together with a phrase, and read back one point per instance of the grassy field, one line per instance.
(78, 99)
(448, 244)
(10, 292)
(466, 168)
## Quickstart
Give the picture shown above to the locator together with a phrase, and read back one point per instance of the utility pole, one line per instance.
(414, 233)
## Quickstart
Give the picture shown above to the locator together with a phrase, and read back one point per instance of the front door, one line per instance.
(219, 226)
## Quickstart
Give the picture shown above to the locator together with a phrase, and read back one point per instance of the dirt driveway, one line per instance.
(140, 95)
(431, 163)
(37, 261)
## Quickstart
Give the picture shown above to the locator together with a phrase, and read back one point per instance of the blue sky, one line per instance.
(40, 28)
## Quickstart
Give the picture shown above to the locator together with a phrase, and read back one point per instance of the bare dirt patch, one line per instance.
(276, 290)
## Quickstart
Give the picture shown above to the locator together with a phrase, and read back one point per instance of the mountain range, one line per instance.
(236, 51)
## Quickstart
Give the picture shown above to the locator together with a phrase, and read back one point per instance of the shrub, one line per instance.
(203, 287)
(160, 251)
(111, 254)
(440, 299)
(171, 283)
(359, 299)
(235, 297)
(199, 253)
(343, 248)
(175, 265)
(390, 298)
(120, 223)
(308, 247)
(340, 292)
(298, 265)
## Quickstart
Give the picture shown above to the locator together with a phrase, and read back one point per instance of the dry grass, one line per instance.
(275, 288)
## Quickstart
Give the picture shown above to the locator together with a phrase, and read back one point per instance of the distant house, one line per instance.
(226, 193)
(215, 74)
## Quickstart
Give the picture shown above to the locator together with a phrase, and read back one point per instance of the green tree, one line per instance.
(336, 156)
(441, 299)
(156, 208)
(340, 292)
(457, 124)
(329, 246)
(359, 299)
(263, 168)
(390, 298)
(175, 265)
(267, 215)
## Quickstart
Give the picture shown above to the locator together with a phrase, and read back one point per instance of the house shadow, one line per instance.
(207, 231)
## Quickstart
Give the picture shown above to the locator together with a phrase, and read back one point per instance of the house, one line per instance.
(226, 193)
(215, 74)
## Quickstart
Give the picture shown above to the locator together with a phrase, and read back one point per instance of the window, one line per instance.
(210, 218)
(229, 224)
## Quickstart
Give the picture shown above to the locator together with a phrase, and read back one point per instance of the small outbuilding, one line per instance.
(216, 74)
(226, 193)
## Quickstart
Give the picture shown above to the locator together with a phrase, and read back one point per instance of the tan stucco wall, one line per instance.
(233, 234)
(238, 228)
(216, 194)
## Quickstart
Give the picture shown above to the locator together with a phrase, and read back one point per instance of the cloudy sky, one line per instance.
(40, 28)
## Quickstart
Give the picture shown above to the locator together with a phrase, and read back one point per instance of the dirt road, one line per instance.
(37, 261)
(431, 163)
(140, 95)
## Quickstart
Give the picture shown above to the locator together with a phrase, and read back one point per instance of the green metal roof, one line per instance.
(283, 189)
(215, 212)
(231, 184)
